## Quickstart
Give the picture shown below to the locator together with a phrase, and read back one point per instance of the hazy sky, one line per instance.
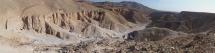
(177, 5)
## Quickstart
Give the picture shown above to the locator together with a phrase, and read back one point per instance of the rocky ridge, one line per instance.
(79, 26)
(45, 25)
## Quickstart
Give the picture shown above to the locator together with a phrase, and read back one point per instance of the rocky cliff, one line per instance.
(57, 23)
(80, 26)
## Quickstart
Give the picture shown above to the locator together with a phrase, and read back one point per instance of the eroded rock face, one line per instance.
(84, 22)
(80, 26)
(50, 24)
(131, 11)
(69, 20)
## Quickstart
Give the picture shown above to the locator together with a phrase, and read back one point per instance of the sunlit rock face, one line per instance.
(132, 11)
(48, 25)
(81, 26)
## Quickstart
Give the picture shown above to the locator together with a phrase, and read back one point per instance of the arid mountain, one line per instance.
(167, 32)
(80, 26)
(132, 11)
(30, 26)
(190, 22)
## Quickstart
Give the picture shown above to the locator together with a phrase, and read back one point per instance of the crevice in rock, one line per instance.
(78, 16)
(48, 29)
(85, 28)
(63, 23)
(58, 35)
(6, 24)
(71, 29)
(26, 23)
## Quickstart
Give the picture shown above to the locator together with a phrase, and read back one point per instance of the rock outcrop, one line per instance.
(45, 23)
(131, 11)
(80, 26)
